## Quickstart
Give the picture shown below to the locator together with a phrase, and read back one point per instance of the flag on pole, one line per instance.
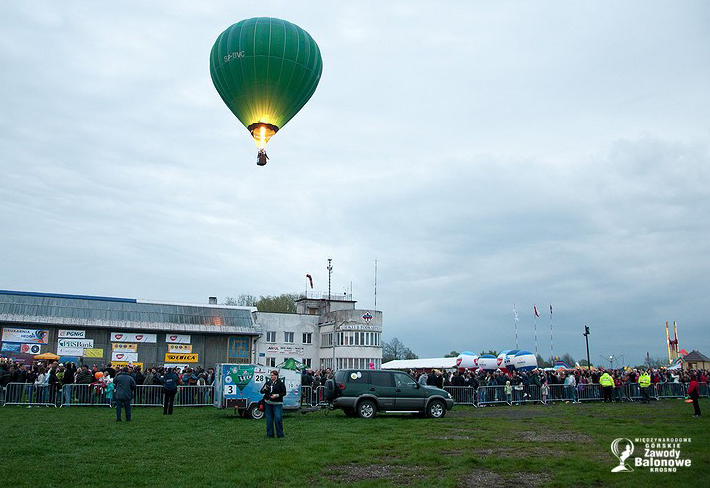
(550, 309)
(515, 312)
(535, 309)
(310, 279)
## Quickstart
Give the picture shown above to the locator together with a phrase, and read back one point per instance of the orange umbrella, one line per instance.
(47, 355)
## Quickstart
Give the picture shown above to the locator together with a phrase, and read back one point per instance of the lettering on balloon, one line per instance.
(234, 55)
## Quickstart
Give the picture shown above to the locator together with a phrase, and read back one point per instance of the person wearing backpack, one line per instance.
(170, 384)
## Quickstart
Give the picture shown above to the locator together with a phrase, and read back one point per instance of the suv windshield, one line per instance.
(340, 376)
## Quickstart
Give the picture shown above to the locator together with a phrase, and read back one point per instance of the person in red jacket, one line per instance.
(694, 394)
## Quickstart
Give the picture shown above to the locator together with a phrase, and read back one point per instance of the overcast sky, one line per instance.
(485, 153)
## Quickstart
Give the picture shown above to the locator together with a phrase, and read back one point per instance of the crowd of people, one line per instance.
(45, 381)
(612, 385)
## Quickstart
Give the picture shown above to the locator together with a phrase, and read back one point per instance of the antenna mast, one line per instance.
(375, 283)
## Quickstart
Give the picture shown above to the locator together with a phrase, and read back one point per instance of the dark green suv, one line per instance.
(364, 392)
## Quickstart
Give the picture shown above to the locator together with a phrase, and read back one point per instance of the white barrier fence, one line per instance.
(193, 396)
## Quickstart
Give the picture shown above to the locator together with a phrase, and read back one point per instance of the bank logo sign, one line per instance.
(657, 454)
(76, 343)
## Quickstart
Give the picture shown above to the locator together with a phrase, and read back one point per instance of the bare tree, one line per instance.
(395, 349)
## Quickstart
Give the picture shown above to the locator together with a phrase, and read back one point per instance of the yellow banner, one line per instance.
(180, 358)
(123, 346)
(124, 363)
(93, 353)
(180, 348)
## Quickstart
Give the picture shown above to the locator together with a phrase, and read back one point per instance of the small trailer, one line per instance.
(238, 386)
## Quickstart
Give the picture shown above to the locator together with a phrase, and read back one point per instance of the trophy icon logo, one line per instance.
(622, 449)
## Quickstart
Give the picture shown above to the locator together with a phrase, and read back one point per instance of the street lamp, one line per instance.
(586, 337)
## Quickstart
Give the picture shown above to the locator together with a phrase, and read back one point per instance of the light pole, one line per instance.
(586, 337)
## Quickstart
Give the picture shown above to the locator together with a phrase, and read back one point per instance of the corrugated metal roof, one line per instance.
(695, 356)
(123, 313)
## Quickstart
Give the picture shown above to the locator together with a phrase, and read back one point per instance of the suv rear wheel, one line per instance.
(366, 409)
(436, 409)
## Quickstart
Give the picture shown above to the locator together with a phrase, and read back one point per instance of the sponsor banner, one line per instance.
(11, 347)
(124, 363)
(70, 351)
(368, 327)
(180, 348)
(72, 334)
(173, 365)
(177, 339)
(30, 349)
(239, 347)
(93, 353)
(131, 357)
(78, 343)
(27, 336)
(180, 358)
(125, 337)
(68, 359)
(285, 350)
(122, 346)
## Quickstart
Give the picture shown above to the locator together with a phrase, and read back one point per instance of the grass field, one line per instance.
(559, 445)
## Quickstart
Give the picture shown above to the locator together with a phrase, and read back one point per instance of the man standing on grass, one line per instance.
(125, 386)
(607, 383)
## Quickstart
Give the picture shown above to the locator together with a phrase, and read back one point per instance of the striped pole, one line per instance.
(515, 324)
(552, 354)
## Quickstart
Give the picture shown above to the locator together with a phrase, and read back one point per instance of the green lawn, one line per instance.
(559, 445)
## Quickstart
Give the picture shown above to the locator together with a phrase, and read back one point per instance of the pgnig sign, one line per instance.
(657, 454)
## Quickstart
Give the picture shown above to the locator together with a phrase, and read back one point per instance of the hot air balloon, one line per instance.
(265, 70)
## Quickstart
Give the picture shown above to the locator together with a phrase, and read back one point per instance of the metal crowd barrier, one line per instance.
(313, 397)
(591, 391)
(563, 393)
(491, 395)
(463, 395)
(149, 396)
(84, 394)
(187, 396)
(194, 396)
(672, 390)
(306, 396)
(30, 395)
(635, 392)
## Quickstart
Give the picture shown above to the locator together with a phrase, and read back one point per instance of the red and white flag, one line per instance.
(535, 309)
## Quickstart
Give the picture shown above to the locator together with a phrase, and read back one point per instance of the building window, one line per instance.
(288, 337)
(307, 362)
(271, 362)
(326, 340)
(271, 337)
(313, 311)
(307, 338)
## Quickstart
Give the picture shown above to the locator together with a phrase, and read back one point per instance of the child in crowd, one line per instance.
(544, 391)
